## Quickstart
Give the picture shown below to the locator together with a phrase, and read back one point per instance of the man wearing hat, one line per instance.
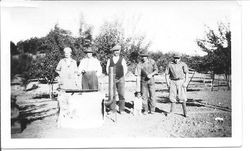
(145, 72)
(176, 75)
(90, 69)
(119, 63)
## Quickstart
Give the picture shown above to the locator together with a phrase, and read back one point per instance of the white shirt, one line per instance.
(90, 64)
(115, 59)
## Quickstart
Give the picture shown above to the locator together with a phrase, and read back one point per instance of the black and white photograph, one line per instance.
(96, 74)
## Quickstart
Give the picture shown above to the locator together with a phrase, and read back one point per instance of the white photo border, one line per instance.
(234, 141)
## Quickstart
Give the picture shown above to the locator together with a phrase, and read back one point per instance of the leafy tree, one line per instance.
(217, 45)
(44, 68)
(39, 56)
(53, 45)
(31, 46)
(22, 66)
(195, 62)
(13, 49)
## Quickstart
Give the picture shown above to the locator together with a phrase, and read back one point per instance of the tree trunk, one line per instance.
(50, 89)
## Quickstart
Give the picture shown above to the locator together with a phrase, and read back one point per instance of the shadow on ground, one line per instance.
(190, 102)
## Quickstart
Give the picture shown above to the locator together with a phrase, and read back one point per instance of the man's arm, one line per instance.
(167, 80)
(185, 70)
(167, 76)
(125, 67)
(186, 80)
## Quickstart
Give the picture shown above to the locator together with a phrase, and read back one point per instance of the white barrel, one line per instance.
(85, 110)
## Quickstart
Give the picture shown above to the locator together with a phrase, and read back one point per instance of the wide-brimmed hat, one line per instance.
(144, 54)
(116, 48)
(177, 55)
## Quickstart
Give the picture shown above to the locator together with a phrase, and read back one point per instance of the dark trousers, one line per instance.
(89, 81)
(148, 93)
(120, 87)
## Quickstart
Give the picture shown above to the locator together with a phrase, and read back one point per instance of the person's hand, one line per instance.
(149, 76)
(184, 85)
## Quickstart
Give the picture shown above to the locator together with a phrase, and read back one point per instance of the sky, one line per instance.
(169, 26)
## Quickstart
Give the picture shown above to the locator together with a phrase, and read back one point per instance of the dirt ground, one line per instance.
(209, 115)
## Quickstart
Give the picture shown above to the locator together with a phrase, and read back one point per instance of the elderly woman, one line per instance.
(91, 69)
(67, 70)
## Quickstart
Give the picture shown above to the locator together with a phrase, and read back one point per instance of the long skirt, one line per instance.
(89, 81)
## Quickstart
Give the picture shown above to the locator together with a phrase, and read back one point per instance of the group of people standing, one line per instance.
(90, 69)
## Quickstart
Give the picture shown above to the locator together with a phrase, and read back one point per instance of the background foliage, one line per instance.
(38, 57)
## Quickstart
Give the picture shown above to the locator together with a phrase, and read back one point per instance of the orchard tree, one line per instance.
(44, 68)
(217, 45)
(52, 45)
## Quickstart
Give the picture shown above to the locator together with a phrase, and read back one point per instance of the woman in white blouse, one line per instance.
(91, 69)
